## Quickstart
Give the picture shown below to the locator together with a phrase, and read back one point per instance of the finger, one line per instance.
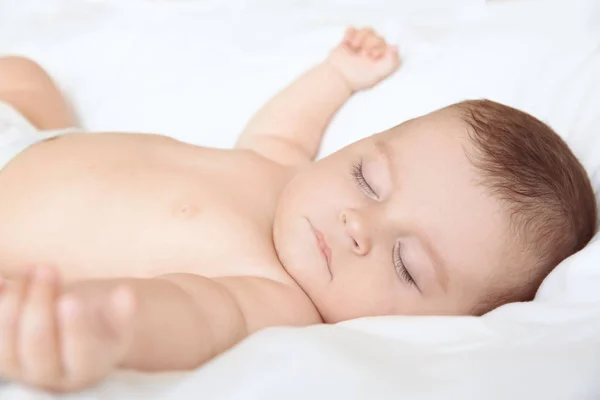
(93, 337)
(360, 37)
(38, 346)
(392, 51)
(11, 299)
(75, 343)
(349, 35)
(372, 42)
(378, 51)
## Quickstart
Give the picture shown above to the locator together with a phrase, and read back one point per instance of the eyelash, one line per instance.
(357, 173)
(399, 265)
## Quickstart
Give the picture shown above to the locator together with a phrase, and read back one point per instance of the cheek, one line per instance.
(361, 290)
(319, 188)
(357, 301)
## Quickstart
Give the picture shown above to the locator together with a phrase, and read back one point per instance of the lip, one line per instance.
(322, 245)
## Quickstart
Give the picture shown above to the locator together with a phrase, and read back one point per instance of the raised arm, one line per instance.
(290, 127)
(70, 340)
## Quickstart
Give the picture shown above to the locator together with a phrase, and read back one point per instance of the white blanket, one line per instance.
(197, 70)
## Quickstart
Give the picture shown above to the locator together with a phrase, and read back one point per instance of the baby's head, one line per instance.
(455, 212)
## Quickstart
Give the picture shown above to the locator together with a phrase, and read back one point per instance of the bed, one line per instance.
(197, 70)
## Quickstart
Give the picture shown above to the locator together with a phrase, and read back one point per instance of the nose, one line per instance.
(356, 228)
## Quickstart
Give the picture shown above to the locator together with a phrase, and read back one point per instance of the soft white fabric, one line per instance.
(17, 133)
(198, 70)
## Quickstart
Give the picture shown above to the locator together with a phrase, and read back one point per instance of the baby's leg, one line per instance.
(28, 88)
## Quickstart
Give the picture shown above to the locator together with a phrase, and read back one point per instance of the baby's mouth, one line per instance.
(323, 247)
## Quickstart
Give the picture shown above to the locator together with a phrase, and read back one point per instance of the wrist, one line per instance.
(339, 77)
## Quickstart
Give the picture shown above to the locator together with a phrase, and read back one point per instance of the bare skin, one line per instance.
(153, 254)
(149, 253)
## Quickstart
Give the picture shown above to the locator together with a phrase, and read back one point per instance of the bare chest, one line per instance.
(113, 205)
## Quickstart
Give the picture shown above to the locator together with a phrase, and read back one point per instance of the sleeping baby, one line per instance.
(139, 251)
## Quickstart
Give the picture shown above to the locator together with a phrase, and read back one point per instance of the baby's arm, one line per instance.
(68, 341)
(289, 128)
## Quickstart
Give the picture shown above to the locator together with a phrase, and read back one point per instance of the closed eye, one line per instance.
(400, 267)
(359, 178)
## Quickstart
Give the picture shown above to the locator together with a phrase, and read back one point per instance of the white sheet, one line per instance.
(198, 70)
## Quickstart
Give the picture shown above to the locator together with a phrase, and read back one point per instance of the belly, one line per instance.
(106, 205)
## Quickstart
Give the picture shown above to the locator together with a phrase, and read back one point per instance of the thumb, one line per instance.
(391, 60)
(393, 53)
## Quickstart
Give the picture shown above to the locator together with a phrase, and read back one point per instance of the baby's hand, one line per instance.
(364, 58)
(61, 342)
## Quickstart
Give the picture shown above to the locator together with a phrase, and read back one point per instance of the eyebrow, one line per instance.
(439, 265)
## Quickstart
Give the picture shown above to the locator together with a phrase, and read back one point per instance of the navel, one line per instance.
(185, 210)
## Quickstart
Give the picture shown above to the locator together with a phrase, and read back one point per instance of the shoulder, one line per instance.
(279, 150)
(249, 161)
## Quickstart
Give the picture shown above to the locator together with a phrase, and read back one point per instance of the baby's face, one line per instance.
(404, 225)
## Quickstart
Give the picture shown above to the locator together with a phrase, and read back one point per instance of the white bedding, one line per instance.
(197, 70)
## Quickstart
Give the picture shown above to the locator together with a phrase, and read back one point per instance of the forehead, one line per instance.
(438, 193)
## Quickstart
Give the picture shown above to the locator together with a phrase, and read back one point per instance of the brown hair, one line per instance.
(546, 190)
